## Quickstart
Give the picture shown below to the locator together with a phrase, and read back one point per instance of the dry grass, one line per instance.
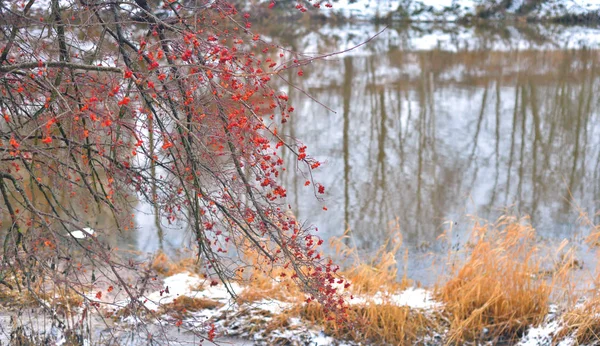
(274, 291)
(582, 323)
(262, 284)
(278, 322)
(183, 305)
(162, 264)
(263, 281)
(375, 323)
(378, 275)
(499, 289)
(381, 323)
(63, 300)
(497, 292)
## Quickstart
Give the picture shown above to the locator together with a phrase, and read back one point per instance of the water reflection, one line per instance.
(430, 135)
(423, 133)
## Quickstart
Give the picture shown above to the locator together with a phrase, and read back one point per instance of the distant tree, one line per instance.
(105, 102)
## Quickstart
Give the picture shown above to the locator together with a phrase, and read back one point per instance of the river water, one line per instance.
(423, 128)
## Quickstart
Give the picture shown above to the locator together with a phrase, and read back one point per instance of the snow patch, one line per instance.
(452, 10)
(275, 307)
(558, 8)
(542, 335)
(178, 285)
(414, 298)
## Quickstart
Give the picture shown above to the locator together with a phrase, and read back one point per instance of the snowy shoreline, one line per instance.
(266, 321)
(570, 11)
(237, 321)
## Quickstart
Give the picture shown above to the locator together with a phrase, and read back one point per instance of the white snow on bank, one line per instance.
(190, 285)
(187, 284)
(416, 10)
(275, 307)
(364, 8)
(414, 298)
(240, 320)
(423, 10)
(555, 8)
(542, 335)
(449, 10)
(323, 340)
(178, 285)
(452, 38)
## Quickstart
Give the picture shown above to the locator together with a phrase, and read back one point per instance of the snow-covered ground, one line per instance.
(261, 322)
(557, 8)
(424, 10)
(450, 37)
(251, 321)
(452, 10)
(239, 323)
(427, 10)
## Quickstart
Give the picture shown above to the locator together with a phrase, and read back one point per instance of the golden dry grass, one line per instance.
(183, 305)
(375, 323)
(381, 323)
(499, 289)
(263, 284)
(380, 274)
(63, 300)
(263, 281)
(497, 293)
(277, 322)
(162, 264)
(582, 323)
(276, 291)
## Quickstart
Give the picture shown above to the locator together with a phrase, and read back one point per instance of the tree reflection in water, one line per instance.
(427, 136)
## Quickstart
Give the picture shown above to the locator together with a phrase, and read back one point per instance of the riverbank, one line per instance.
(502, 288)
(563, 11)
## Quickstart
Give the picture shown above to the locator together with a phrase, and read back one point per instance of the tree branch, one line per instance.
(62, 64)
